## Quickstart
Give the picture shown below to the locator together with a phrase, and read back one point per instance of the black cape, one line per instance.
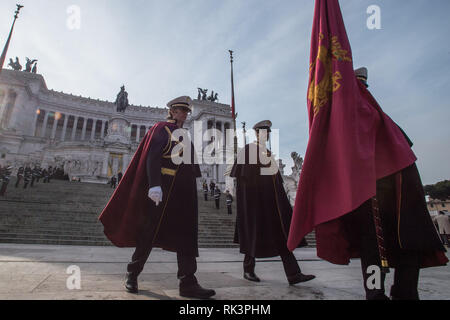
(263, 210)
(406, 222)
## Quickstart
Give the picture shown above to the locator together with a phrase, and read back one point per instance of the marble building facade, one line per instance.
(86, 137)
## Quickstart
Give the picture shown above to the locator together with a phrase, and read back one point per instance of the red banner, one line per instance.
(352, 142)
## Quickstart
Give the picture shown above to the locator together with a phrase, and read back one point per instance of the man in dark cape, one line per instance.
(263, 210)
(155, 204)
(359, 187)
(409, 237)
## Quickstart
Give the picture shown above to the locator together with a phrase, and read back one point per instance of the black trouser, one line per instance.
(206, 196)
(291, 267)
(444, 238)
(217, 203)
(187, 265)
(230, 212)
(18, 181)
(406, 276)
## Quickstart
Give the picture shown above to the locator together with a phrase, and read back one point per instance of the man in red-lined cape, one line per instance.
(356, 153)
(155, 204)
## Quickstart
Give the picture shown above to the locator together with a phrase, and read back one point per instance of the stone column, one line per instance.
(226, 126)
(103, 129)
(138, 133)
(83, 132)
(126, 162)
(129, 129)
(204, 128)
(74, 129)
(105, 165)
(66, 120)
(219, 141)
(55, 125)
(94, 128)
(44, 126)
(33, 131)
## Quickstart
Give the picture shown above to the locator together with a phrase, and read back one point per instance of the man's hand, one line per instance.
(156, 195)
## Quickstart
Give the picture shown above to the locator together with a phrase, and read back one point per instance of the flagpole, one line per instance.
(5, 49)
(233, 106)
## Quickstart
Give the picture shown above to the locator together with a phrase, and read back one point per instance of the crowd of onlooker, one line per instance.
(28, 177)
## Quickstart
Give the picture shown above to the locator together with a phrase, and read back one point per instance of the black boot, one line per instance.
(190, 288)
(131, 283)
(299, 277)
(251, 276)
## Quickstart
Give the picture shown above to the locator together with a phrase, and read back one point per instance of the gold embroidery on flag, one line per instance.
(336, 85)
(320, 93)
(339, 53)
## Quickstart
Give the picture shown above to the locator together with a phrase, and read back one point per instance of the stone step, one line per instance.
(51, 236)
(86, 208)
(37, 221)
(96, 233)
(65, 213)
(94, 242)
(55, 242)
(65, 231)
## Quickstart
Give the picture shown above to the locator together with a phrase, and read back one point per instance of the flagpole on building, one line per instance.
(5, 49)
(233, 106)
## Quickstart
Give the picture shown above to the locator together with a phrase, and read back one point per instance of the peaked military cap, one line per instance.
(362, 74)
(181, 102)
(266, 124)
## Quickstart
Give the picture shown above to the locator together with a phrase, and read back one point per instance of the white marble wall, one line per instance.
(40, 129)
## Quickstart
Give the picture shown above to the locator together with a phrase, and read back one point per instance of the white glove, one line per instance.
(156, 195)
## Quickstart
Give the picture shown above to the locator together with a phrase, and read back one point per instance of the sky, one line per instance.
(162, 49)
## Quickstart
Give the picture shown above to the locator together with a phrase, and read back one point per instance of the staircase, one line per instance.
(66, 213)
(215, 226)
(59, 213)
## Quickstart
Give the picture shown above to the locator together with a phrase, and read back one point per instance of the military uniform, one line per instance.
(217, 195)
(393, 229)
(407, 229)
(45, 176)
(20, 174)
(5, 176)
(205, 191)
(171, 224)
(113, 182)
(229, 199)
(178, 213)
(27, 176)
(34, 175)
(50, 174)
(263, 213)
(212, 187)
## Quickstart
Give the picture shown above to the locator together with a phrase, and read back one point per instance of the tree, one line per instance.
(439, 191)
